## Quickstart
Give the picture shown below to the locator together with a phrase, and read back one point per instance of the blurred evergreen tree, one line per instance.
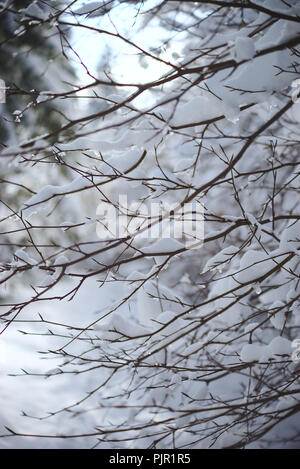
(30, 61)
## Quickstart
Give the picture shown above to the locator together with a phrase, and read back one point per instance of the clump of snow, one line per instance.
(279, 346)
(290, 238)
(118, 326)
(256, 264)
(48, 192)
(251, 353)
(250, 327)
(221, 258)
(244, 48)
(164, 245)
(61, 260)
(92, 9)
(277, 318)
(33, 10)
(21, 255)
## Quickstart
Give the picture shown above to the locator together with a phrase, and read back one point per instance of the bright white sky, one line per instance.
(124, 19)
